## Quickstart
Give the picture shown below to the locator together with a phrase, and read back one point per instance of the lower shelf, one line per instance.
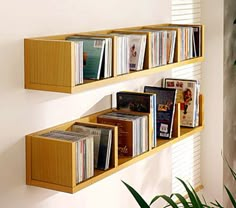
(122, 163)
(51, 163)
(127, 161)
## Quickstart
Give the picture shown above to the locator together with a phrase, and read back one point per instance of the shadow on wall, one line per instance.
(100, 105)
(151, 179)
(13, 179)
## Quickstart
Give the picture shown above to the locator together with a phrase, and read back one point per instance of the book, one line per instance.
(102, 143)
(83, 151)
(96, 133)
(163, 42)
(197, 40)
(139, 102)
(137, 44)
(132, 132)
(105, 147)
(125, 133)
(171, 41)
(122, 58)
(141, 131)
(93, 53)
(190, 44)
(106, 68)
(188, 97)
(165, 108)
(120, 52)
(79, 62)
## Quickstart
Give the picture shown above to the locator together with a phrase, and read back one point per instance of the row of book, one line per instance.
(94, 56)
(132, 132)
(84, 152)
(92, 150)
(139, 102)
(141, 118)
(99, 56)
(160, 102)
(190, 46)
(163, 46)
(188, 92)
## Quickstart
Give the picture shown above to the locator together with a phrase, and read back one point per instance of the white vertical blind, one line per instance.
(186, 154)
(186, 163)
(186, 11)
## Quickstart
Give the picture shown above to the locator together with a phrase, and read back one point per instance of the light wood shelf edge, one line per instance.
(52, 186)
(133, 75)
(164, 144)
(105, 82)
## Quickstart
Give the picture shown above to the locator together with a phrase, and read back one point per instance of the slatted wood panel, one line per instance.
(186, 166)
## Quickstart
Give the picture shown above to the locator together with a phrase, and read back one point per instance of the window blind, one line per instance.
(186, 154)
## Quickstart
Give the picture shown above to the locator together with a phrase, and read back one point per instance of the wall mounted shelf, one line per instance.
(49, 61)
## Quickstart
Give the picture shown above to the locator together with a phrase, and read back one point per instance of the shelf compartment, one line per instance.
(179, 133)
(50, 163)
(50, 62)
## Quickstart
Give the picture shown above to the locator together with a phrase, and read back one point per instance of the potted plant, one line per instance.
(191, 201)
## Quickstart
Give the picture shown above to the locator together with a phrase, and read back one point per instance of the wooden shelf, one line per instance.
(49, 66)
(49, 62)
(105, 82)
(123, 163)
(50, 163)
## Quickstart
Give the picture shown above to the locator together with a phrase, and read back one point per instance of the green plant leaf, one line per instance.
(231, 170)
(166, 198)
(205, 205)
(201, 204)
(196, 197)
(182, 200)
(191, 195)
(231, 197)
(142, 203)
(217, 204)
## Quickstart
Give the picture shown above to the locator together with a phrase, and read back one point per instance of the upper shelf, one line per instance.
(50, 61)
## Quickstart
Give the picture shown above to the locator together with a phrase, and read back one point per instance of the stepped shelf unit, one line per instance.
(50, 61)
(50, 163)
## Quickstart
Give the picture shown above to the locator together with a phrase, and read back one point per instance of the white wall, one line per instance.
(212, 85)
(25, 111)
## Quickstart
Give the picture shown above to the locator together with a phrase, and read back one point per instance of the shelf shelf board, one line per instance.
(91, 84)
(94, 84)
